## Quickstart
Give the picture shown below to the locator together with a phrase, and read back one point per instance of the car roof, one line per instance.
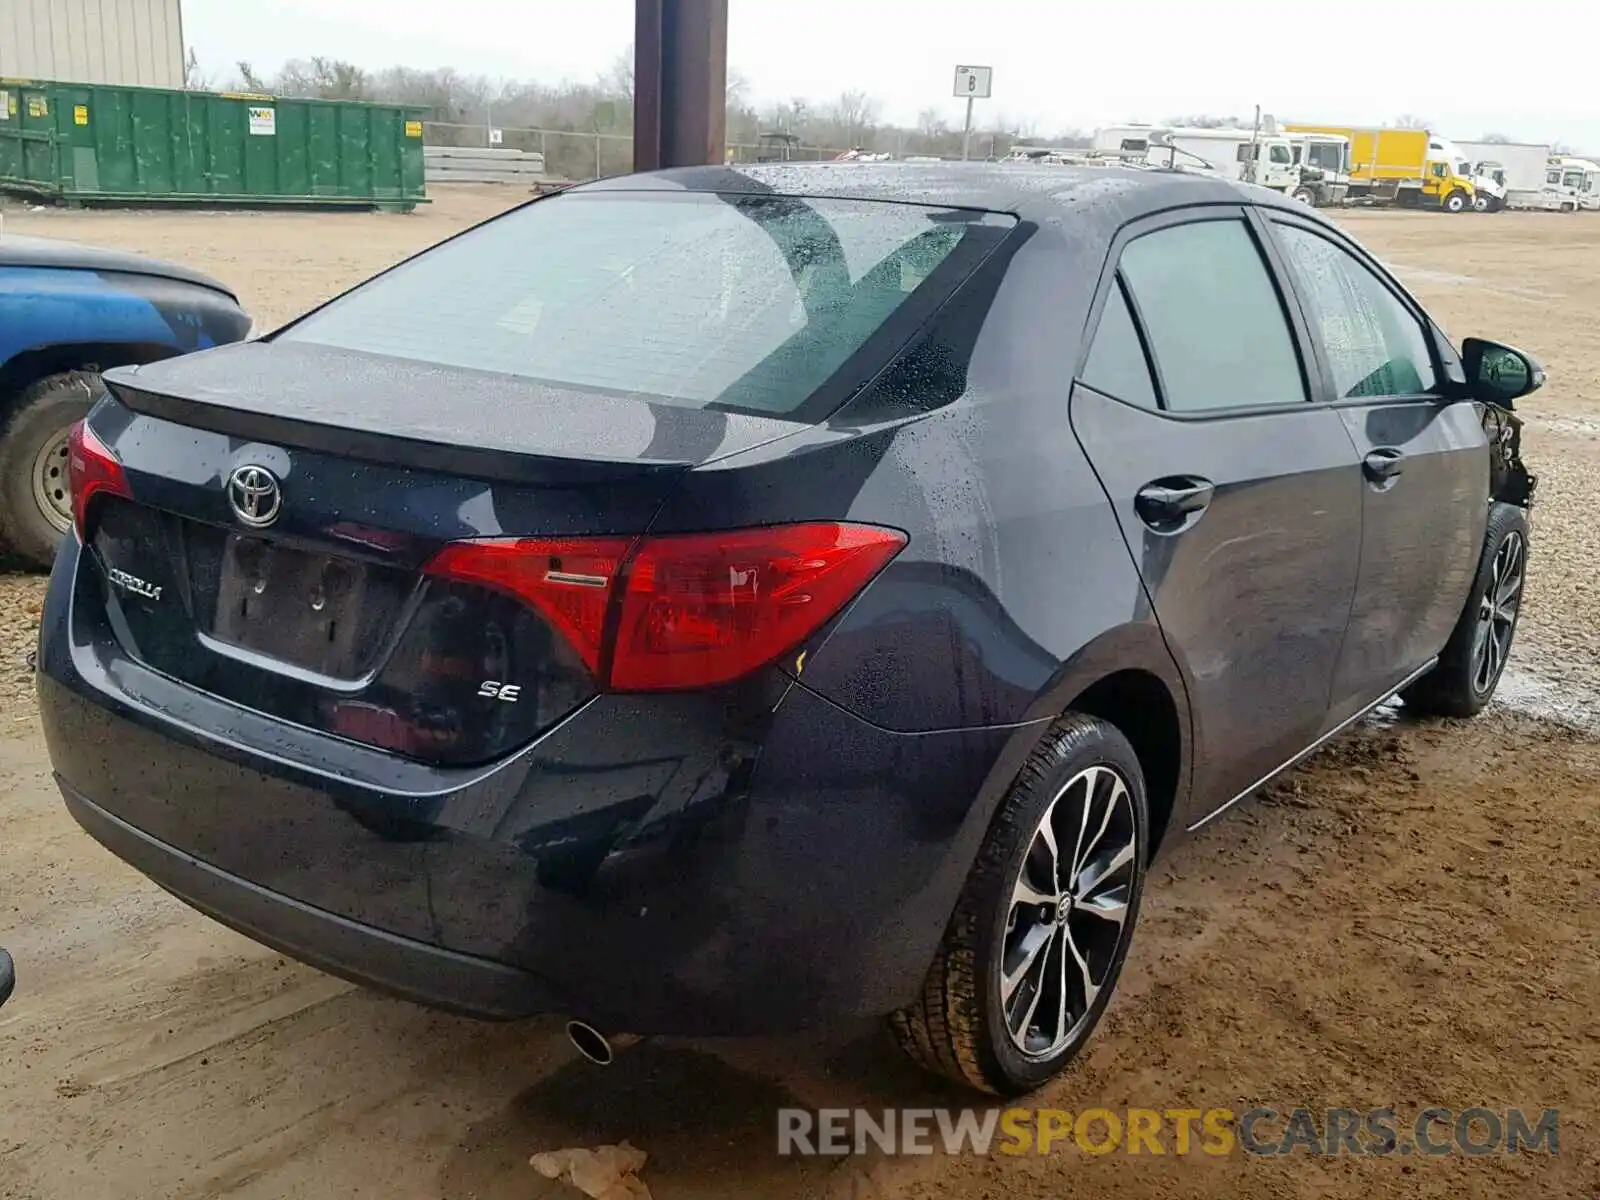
(17, 250)
(1106, 196)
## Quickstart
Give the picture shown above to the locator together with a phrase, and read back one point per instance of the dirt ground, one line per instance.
(1412, 919)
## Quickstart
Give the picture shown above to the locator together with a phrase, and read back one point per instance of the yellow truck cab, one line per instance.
(1402, 166)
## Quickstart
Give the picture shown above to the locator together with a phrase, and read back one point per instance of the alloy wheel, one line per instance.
(1069, 907)
(1497, 613)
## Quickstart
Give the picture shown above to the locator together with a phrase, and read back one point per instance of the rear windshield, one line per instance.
(750, 303)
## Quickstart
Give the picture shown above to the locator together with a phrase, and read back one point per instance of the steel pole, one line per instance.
(680, 83)
(966, 133)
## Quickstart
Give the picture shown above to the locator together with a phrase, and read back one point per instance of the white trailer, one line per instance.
(1249, 155)
(1517, 175)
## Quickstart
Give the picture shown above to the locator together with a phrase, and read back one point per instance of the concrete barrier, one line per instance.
(483, 164)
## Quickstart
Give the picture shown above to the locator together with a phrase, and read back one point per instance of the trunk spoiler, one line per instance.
(466, 423)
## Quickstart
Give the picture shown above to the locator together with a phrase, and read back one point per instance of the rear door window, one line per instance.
(745, 302)
(1213, 318)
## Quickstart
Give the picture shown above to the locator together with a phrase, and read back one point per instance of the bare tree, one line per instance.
(1497, 138)
(619, 79)
(194, 79)
(855, 113)
(322, 78)
(1411, 121)
(248, 79)
(738, 89)
(582, 127)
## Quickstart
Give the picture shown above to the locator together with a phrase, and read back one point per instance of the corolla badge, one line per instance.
(255, 496)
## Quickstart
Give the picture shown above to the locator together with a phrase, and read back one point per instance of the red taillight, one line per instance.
(691, 610)
(567, 579)
(708, 608)
(91, 469)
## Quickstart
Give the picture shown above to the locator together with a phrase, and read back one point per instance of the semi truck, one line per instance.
(1408, 167)
(1516, 175)
(1324, 162)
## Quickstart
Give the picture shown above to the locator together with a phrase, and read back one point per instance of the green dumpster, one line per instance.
(80, 143)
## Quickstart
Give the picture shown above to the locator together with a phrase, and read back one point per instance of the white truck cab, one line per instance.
(1324, 162)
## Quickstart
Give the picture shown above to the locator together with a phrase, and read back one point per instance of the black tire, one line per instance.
(1483, 204)
(40, 419)
(1305, 196)
(1463, 682)
(1457, 202)
(958, 1025)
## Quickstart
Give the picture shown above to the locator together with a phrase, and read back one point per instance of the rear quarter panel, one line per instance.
(1015, 593)
(1014, 567)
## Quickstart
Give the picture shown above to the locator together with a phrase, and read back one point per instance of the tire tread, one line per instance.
(943, 1029)
(1447, 691)
(20, 529)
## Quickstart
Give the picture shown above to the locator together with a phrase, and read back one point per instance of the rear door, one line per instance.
(1425, 462)
(1239, 498)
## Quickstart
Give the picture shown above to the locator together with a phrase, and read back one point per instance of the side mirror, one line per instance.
(1499, 374)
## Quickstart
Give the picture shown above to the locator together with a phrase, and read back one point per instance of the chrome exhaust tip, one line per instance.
(591, 1043)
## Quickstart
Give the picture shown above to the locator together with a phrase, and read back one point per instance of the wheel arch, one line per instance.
(29, 366)
(1128, 678)
(1141, 706)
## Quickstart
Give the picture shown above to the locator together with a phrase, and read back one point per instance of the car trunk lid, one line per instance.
(269, 556)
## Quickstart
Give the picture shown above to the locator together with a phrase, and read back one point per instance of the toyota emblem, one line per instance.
(255, 496)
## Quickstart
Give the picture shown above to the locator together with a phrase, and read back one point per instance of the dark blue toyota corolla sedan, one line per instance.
(722, 601)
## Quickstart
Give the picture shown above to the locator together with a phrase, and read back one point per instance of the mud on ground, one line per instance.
(1409, 920)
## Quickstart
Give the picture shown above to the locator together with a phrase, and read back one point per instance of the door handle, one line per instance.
(1383, 464)
(1168, 503)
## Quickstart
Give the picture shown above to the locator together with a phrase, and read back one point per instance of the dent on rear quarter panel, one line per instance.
(1013, 566)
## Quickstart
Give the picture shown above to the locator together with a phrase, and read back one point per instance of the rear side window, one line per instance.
(744, 302)
(1212, 314)
(1116, 363)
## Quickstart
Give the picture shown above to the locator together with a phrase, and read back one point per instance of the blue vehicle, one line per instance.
(68, 312)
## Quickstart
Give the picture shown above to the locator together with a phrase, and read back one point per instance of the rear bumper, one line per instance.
(400, 966)
(742, 863)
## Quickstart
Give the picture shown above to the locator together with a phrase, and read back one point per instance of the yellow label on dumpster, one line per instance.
(38, 106)
(413, 128)
(80, 114)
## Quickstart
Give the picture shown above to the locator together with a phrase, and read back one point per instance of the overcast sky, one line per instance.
(1525, 69)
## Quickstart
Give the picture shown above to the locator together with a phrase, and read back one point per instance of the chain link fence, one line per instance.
(575, 156)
